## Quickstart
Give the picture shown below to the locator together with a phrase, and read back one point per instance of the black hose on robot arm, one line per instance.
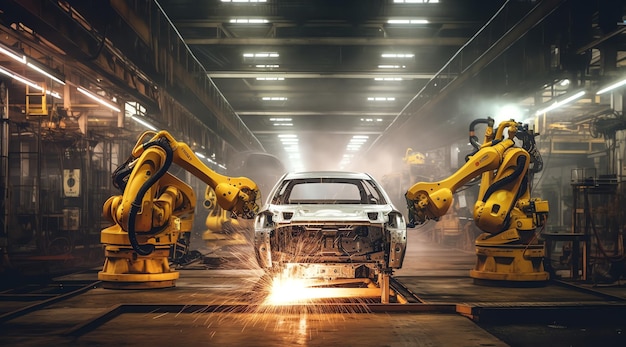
(136, 205)
(495, 186)
(473, 139)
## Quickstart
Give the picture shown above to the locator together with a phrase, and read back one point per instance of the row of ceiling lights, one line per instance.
(290, 141)
(290, 144)
(280, 98)
(353, 146)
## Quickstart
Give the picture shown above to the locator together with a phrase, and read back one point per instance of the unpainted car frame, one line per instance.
(330, 226)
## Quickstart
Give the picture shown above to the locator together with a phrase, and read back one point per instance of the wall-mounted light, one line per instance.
(558, 104)
(144, 123)
(99, 99)
(31, 63)
(611, 87)
(28, 82)
(13, 55)
(44, 72)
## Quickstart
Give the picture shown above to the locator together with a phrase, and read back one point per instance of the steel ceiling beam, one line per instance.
(316, 113)
(368, 75)
(330, 41)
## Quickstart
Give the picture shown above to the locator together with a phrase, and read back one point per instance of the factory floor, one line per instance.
(208, 306)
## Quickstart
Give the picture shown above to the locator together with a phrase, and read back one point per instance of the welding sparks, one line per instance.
(290, 289)
(287, 290)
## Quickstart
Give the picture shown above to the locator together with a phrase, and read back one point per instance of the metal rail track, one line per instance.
(588, 290)
(48, 294)
(120, 309)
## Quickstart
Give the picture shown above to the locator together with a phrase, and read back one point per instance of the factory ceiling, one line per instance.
(332, 70)
(394, 71)
(356, 79)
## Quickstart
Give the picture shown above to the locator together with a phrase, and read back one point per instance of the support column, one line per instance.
(4, 174)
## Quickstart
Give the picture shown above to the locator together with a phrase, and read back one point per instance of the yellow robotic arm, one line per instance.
(504, 211)
(156, 207)
(221, 229)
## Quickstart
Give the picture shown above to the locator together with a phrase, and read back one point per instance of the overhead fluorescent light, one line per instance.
(381, 98)
(280, 119)
(274, 98)
(558, 104)
(200, 155)
(611, 87)
(270, 78)
(291, 136)
(388, 79)
(283, 124)
(387, 66)
(416, 1)
(144, 123)
(267, 66)
(397, 55)
(407, 21)
(261, 55)
(249, 20)
(98, 99)
(28, 82)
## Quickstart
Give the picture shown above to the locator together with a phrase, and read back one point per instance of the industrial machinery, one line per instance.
(155, 208)
(221, 228)
(336, 228)
(508, 248)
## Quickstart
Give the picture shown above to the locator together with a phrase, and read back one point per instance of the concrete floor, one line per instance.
(204, 308)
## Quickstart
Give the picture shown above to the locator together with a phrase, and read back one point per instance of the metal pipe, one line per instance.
(4, 169)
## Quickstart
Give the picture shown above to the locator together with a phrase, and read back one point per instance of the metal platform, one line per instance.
(221, 307)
